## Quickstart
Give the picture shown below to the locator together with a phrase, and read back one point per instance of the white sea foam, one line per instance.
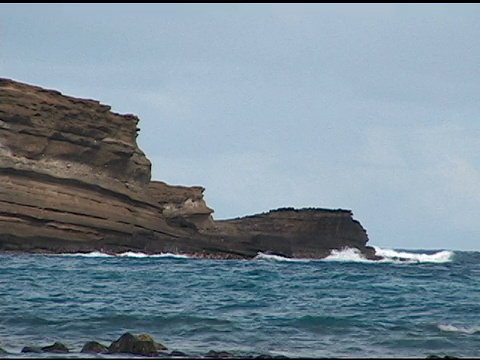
(90, 254)
(347, 254)
(161, 255)
(461, 329)
(355, 255)
(343, 255)
(170, 255)
(263, 256)
(390, 256)
(131, 254)
(393, 255)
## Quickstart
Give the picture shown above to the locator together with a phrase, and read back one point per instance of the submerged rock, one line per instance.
(57, 347)
(31, 349)
(219, 354)
(74, 180)
(176, 353)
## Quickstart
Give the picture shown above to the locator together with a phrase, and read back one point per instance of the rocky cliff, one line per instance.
(73, 179)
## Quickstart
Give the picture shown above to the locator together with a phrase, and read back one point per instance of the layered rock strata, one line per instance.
(73, 179)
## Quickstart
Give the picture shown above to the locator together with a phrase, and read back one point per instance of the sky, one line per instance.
(373, 108)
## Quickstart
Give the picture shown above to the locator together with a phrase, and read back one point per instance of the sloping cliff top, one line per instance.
(65, 137)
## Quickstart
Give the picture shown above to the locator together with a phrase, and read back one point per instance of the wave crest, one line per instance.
(461, 329)
(403, 256)
(343, 255)
(272, 257)
(131, 254)
(347, 254)
(90, 254)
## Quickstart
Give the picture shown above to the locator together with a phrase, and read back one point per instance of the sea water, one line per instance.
(412, 304)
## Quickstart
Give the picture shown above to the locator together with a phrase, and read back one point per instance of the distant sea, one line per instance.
(413, 304)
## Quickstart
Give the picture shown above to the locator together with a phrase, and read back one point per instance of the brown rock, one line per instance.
(74, 180)
(31, 349)
(57, 347)
(218, 354)
(138, 345)
(93, 347)
(146, 337)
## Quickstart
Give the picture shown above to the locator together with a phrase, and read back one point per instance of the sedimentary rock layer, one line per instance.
(73, 179)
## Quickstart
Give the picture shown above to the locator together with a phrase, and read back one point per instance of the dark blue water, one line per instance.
(341, 307)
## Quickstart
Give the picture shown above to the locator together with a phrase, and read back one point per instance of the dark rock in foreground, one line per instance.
(93, 347)
(137, 345)
(74, 180)
(56, 348)
(31, 349)
(218, 354)
(144, 345)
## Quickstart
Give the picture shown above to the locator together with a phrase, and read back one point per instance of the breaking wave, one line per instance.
(394, 255)
(391, 256)
(131, 254)
(347, 254)
(355, 255)
(272, 257)
(460, 329)
(343, 255)
(90, 254)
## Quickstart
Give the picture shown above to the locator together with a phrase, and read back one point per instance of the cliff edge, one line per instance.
(73, 179)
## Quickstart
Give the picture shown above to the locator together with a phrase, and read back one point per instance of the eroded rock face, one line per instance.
(64, 137)
(73, 179)
(299, 233)
(182, 202)
(71, 172)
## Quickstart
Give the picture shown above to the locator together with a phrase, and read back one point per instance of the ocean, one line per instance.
(413, 304)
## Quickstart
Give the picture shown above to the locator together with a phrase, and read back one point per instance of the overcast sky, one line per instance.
(373, 107)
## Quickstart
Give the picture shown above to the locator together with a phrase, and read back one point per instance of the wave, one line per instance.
(347, 255)
(131, 254)
(461, 329)
(390, 256)
(343, 255)
(355, 255)
(272, 257)
(90, 254)
(394, 255)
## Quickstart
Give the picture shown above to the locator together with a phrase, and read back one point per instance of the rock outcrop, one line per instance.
(73, 179)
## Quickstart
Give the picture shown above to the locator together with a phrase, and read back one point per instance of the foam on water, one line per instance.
(343, 255)
(347, 254)
(355, 255)
(161, 255)
(389, 255)
(272, 257)
(461, 329)
(170, 255)
(130, 254)
(393, 255)
(90, 254)
(133, 254)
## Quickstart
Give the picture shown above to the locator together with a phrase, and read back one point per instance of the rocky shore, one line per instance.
(129, 344)
(74, 180)
(144, 345)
